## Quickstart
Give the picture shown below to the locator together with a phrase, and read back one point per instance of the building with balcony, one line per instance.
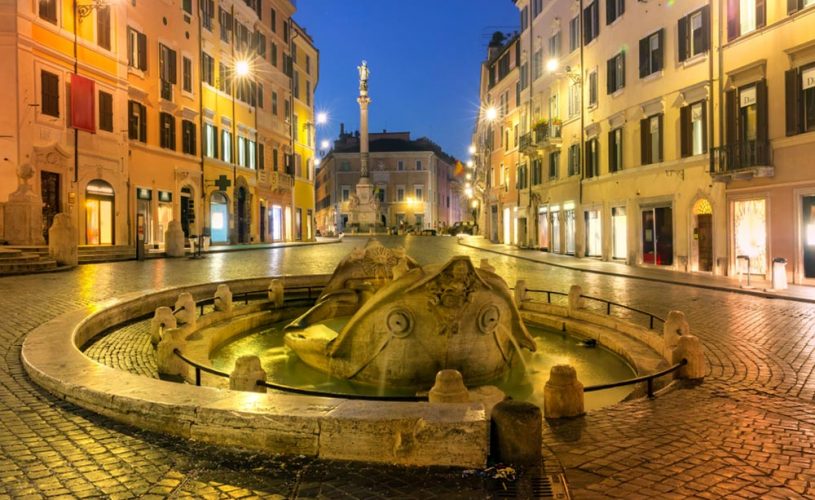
(416, 184)
(649, 136)
(153, 111)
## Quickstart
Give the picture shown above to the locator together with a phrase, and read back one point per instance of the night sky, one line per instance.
(424, 57)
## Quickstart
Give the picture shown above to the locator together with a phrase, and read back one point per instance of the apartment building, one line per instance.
(415, 182)
(137, 113)
(649, 138)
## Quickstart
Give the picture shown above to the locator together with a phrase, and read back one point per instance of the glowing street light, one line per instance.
(468, 192)
(242, 68)
(322, 118)
(471, 149)
(468, 176)
(470, 163)
(324, 144)
(552, 65)
(491, 113)
(317, 162)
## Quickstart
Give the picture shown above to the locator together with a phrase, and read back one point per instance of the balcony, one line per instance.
(277, 181)
(743, 160)
(544, 136)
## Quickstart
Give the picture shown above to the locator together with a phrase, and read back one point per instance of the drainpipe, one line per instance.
(582, 162)
(531, 218)
(199, 226)
(292, 35)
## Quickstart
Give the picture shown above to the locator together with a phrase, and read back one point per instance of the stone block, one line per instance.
(449, 388)
(174, 240)
(516, 433)
(168, 363)
(185, 309)
(246, 375)
(223, 298)
(163, 320)
(520, 292)
(563, 393)
(62, 244)
(675, 326)
(575, 298)
(276, 293)
(689, 347)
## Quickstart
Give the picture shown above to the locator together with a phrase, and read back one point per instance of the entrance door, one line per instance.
(219, 218)
(704, 235)
(276, 223)
(570, 230)
(99, 203)
(593, 234)
(808, 232)
(262, 222)
(494, 224)
(543, 230)
(507, 227)
(619, 247)
(657, 236)
(242, 222)
(555, 237)
(187, 211)
(49, 188)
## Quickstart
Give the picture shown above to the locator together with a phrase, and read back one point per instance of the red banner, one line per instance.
(83, 116)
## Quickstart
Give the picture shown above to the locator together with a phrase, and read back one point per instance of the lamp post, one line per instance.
(241, 69)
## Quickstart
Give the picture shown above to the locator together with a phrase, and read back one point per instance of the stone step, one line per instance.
(7, 268)
(95, 259)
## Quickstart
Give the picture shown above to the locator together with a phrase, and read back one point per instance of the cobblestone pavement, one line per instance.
(748, 430)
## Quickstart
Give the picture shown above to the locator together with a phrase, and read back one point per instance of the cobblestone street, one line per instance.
(748, 430)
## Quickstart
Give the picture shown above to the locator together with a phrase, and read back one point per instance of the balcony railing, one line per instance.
(543, 136)
(743, 159)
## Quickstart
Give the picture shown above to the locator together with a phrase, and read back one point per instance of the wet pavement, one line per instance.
(748, 430)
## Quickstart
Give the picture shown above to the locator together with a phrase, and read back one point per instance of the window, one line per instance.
(523, 178)
(744, 16)
(515, 136)
(524, 18)
(308, 93)
(167, 71)
(103, 26)
(593, 85)
(746, 126)
(259, 94)
(591, 22)
(187, 6)
(693, 127)
(48, 10)
(167, 131)
(419, 165)
(418, 192)
(224, 78)
(188, 137)
(537, 8)
(136, 121)
(400, 165)
(285, 32)
(400, 193)
(207, 13)
(537, 173)
(574, 99)
(207, 69)
(592, 158)
(274, 103)
(554, 164)
(49, 93)
(800, 99)
(136, 49)
(694, 33)
(651, 53)
(225, 22)
(273, 58)
(651, 139)
(616, 73)
(537, 65)
(186, 70)
(261, 156)
(260, 44)
(614, 9)
(273, 21)
(615, 150)
(105, 111)
(574, 34)
(796, 5)
(345, 166)
(574, 160)
(275, 160)
(346, 193)
(503, 66)
(210, 140)
(554, 45)
(226, 146)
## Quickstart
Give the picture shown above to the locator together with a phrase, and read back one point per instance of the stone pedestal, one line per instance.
(246, 375)
(22, 214)
(690, 348)
(449, 388)
(62, 245)
(563, 393)
(174, 240)
(363, 208)
(223, 298)
(516, 433)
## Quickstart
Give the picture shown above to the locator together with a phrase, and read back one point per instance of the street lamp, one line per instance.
(471, 149)
(491, 114)
(322, 118)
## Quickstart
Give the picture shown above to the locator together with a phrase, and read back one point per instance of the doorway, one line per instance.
(242, 228)
(99, 217)
(494, 224)
(262, 222)
(543, 229)
(702, 242)
(49, 188)
(808, 235)
(219, 218)
(507, 227)
(619, 233)
(276, 222)
(187, 211)
(657, 236)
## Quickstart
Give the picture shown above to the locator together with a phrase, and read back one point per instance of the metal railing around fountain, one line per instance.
(648, 379)
(607, 303)
(311, 293)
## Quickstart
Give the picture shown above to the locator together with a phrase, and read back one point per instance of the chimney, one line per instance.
(342, 129)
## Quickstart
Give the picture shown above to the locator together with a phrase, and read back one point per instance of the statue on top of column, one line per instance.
(364, 73)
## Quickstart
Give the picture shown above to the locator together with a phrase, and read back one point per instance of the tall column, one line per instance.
(363, 101)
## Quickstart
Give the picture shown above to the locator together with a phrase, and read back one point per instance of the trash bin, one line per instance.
(779, 273)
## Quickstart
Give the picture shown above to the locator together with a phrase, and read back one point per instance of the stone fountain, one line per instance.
(407, 322)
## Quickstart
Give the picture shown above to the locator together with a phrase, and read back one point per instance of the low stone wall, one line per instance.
(418, 434)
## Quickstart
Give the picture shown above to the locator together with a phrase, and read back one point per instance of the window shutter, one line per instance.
(132, 132)
(762, 132)
(731, 117)
(704, 126)
(793, 101)
(661, 139)
(684, 38)
(587, 35)
(142, 42)
(142, 122)
(661, 50)
(261, 156)
(610, 76)
(733, 27)
(644, 57)
(611, 152)
(595, 17)
(685, 139)
(215, 142)
(610, 11)
(173, 68)
(645, 141)
(761, 13)
(793, 6)
(621, 83)
(706, 28)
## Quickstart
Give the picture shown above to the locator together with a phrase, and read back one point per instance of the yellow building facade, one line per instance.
(191, 109)
(648, 136)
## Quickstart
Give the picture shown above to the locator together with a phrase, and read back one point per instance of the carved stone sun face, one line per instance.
(378, 261)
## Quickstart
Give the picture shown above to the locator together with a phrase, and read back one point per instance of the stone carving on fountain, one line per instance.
(413, 323)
